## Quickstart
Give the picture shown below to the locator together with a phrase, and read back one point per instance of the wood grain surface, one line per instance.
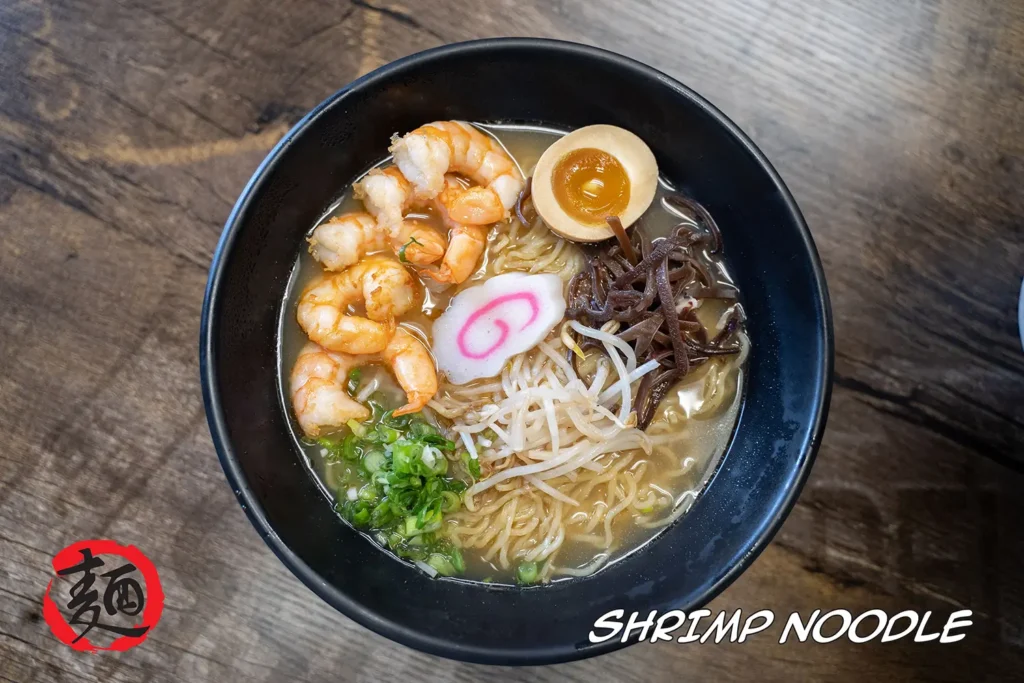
(128, 127)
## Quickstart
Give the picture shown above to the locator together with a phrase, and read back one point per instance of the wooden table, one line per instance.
(128, 127)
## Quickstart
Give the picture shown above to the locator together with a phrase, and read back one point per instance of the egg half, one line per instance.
(591, 174)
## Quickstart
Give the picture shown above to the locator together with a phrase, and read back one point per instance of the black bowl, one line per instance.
(564, 85)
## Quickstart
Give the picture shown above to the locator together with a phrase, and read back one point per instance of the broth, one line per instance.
(691, 428)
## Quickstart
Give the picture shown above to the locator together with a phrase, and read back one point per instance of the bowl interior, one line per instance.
(566, 86)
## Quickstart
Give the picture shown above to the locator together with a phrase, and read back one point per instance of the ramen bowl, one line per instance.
(565, 86)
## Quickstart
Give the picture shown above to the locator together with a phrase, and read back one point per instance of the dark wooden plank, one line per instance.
(127, 128)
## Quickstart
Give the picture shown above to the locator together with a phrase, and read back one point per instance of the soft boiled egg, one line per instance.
(591, 174)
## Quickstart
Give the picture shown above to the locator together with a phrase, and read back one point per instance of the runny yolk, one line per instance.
(590, 185)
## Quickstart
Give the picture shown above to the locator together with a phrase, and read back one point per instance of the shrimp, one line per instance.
(465, 244)
(318, 380)
(387, 195)
(460, 260)
(318, 390)
(387, 289)
(343, 240)
(418, 243)
(414, 369)
(426, 154)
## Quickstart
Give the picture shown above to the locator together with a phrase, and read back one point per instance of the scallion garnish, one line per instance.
(527, 573)
(398, 467)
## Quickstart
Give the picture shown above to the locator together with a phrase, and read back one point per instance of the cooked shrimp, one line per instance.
(418, 243)
(465, 245)
(318, 390)
(387, 195)
(382, 283)
(465, 242)
(318, 381)
(343, 240)
(414, 369)
(426, 154)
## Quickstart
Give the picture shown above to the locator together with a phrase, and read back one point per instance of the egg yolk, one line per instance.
(590, 185)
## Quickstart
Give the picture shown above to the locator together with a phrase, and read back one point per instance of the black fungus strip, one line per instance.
(524, 195)
(650, 297)
(620, 234)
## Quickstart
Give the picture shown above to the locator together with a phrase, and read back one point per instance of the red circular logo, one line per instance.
(124, 594)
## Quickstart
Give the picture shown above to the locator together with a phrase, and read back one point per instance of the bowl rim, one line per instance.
(229, 462)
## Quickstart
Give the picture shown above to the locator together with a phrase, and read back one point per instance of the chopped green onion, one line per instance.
(451, 503)
(388, 434)
(391, 477)
(400, 422)
(472, 465)
(401, 251)
(412, 525)
(420, 428)
(439, 441)
(457, 561)
(527, 572)
(357, 429)
(404, 456)
(350, 448)
(434, 460)
(361, 517)
(374, 461)
(356, 512)
(383, 514)
(330, 449)
(355, 376)
(442, 564)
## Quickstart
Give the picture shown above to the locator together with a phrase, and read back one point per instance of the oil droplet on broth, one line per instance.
(590, 185)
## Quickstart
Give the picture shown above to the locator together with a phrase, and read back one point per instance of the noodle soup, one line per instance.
(583, 446)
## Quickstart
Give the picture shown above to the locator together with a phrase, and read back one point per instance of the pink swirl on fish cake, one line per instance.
(529, 297)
